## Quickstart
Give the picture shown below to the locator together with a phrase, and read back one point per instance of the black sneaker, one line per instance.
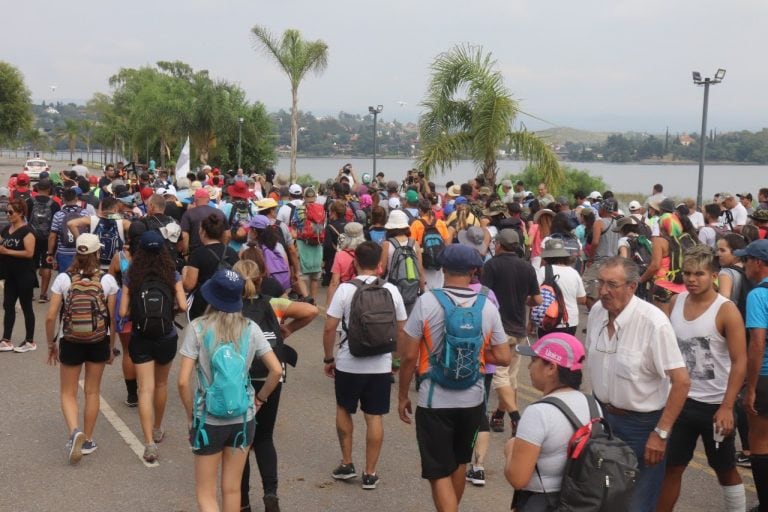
(743, 460)
(370, 481)
(344, 472)
(476, 476)
(271, 503)
(497, 421)
(132, 400)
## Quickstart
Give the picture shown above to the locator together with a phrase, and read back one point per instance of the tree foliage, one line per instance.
(573, 180)
(296, 57)
(469, 113)
(15, 105)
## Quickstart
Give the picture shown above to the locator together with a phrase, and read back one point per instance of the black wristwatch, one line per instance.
(328, 360)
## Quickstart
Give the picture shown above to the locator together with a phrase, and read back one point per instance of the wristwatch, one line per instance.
(328, 360)
(663, 434)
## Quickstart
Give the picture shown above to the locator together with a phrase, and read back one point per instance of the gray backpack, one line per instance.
(404, 271)
(372, 328)
(601, 470)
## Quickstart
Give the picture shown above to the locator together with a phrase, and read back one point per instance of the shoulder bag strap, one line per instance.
(567, 412)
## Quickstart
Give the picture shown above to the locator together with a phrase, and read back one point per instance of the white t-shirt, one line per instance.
(708, 236)
(285, 212)
(340, 307)
(571, 285)
(81, 170)
(545, 426)
(628, 369)
(697, 219)
(62, 283)
(739, 215)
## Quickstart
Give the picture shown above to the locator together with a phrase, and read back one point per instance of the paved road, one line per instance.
(37, 477)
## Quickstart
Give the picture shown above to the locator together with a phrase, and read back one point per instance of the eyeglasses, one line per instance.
(9, 211)
(608, 346)
(612, 285)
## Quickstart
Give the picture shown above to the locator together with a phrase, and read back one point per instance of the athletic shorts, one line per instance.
(590, 281)
(761, 396)
(75, 354)
(370, 390)
(446, 438)
(161, 350)
(507, 375)
(694, 421)
(224, 436)
(41, 253)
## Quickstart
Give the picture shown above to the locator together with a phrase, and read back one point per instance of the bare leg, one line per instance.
(68, 376)
(161, 392)
(344, 428)
(206, 473)
(481, 448)
(374, 438)
(145, 374)
(447, 491)
(93, 374)
(670, 488)
(233, 462)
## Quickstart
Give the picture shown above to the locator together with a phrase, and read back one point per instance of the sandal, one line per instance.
(43, 299)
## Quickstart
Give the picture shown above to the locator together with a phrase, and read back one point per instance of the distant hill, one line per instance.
(561, 135)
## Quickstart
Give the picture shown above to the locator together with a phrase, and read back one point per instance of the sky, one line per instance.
(620, 65)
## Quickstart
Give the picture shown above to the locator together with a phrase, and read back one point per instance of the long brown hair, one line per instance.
(158, 263)
(86, 265)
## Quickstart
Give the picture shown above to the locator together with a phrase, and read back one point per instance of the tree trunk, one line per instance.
(294, 130)
(489, 171)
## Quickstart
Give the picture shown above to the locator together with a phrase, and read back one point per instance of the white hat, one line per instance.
(295, 189)
(394, 203)
(87, 243)
(4, 192)
(634, 206)
(397, 220)
(595, 195)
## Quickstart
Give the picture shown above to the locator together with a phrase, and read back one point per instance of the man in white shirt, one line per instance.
(637, 372)
(80, 169)
(285, 212)
(710, 334)
(735, 215)
(359, 380)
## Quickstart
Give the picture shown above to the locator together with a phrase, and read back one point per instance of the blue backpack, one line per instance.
(457, 364)
(432, 245)
(229, 393)
(111, 237)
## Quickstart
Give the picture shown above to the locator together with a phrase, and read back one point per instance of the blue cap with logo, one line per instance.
(756, 249)
(224, 291)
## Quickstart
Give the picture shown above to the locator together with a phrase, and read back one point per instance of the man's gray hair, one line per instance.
(631, 270)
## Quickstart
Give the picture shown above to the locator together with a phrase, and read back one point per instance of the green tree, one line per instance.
(470, 113)
(296, 57)
(573, 180)
(15, 105)
(69, 133)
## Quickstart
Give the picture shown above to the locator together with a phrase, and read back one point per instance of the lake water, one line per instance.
(678, 180)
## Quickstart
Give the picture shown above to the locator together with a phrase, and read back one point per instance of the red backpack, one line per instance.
(313, 230)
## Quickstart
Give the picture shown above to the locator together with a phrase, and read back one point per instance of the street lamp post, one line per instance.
(375, 111)
(240, 143)
(706, 82)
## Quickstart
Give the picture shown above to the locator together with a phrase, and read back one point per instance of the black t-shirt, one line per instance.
(190, 223)
(12, 266)
(206, 260)
(513, 280)
(175, 210)
(331, 236)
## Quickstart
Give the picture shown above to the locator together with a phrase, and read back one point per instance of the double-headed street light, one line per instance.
(375, 111)
(240, 142)
(706, 82)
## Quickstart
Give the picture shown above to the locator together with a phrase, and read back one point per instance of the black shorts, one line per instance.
(446, 438)
(160, 350)
(41, 253)
(694, 421)
(761, 395)
(224, 436)
(371, 390)
(75, 354)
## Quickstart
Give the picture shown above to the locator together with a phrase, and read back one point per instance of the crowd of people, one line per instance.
(447, 289)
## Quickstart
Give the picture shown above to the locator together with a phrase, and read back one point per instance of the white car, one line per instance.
(34, 167)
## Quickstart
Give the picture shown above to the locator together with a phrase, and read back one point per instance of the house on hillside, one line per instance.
(686, 140)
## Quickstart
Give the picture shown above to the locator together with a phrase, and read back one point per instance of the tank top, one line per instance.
(609, 240)
(704, 350)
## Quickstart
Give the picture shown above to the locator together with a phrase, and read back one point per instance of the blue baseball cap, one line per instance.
(224, 291)
(460, 200)
(460, 258)
(756, 249)
(151, 241)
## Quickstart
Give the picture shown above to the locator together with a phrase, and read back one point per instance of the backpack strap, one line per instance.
(567, 412)
(358, 284)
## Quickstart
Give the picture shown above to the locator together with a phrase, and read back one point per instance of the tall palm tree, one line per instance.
(70, 133)
(470, 113)
(296, 57)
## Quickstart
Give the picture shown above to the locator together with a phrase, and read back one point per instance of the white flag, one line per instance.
(182, 164)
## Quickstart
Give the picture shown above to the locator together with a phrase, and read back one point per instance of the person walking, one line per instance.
(710, 333)
(637, 372)
(222, 331)
(67, 347)
(42, 208)
(278, 318)
(358, 380)
(447, 420)
(515, 284)
(17, 267)
(61, 242)
(153, 343)
(558, 261)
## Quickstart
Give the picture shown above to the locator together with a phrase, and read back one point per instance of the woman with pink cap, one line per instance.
(536, 457)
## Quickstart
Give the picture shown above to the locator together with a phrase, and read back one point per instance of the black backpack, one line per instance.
(372, 328)
(260, 311)
(222, 264)
(41, 216)
(66, 238)
(152, 307)
(601, 470)
(640, 251)
(744, 289)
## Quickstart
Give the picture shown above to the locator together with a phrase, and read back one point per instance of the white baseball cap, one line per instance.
(295, 190)
(634, 206)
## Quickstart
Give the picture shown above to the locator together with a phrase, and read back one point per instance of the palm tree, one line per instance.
(470, 113)
(296, 57)
(70, 132)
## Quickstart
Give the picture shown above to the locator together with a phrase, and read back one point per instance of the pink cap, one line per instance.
(201, 193)
(557, 347)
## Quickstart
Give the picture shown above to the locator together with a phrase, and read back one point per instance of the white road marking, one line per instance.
(128, 436)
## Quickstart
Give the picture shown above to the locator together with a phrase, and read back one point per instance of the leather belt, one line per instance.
(618, 411)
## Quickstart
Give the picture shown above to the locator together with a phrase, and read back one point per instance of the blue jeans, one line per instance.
(634, 429)
(64, 261)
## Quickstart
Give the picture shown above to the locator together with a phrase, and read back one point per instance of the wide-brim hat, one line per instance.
(239, 189)
(554, 248)
(224, 291)
(397, 220)
(474, 236)
(543, 211)
(629, 220)
(454, 191)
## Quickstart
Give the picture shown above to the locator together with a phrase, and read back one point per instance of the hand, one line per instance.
(724, 420)
(330, 370)
(53, 354)
(404, 409)
(654, 449)
(749, 401)
(111, 355)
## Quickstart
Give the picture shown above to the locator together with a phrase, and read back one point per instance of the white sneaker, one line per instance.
(27, 346)
(6, 346)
